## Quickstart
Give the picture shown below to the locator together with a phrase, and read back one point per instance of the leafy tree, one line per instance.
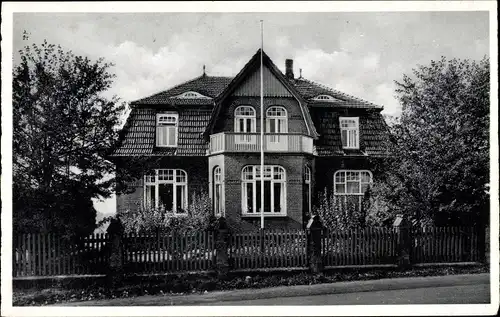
(63, 128)
(440, 165)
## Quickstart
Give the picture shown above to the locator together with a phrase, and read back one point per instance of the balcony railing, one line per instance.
(250, 142)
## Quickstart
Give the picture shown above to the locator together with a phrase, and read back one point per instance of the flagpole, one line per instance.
(261, 125)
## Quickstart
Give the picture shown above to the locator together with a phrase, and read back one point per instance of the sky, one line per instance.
(360, 53)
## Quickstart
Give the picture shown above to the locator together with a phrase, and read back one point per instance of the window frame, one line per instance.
(245, 137)
(325, 98)
(175, 183)
(345, 171)
(308, 183)
(277, 118)
(218, 201)
(348, 129)
(255, 173)
(160, 125)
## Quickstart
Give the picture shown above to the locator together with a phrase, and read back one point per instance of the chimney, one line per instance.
(289, 68)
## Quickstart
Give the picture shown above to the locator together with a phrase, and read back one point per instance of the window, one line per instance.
(307, 189)
(349, 132)
(217, 191)
(244, 122)
(274, 190)
(166, 129)
(166, 189)
(352, 182)
(191, 95)
(325, 98)
(276, 122)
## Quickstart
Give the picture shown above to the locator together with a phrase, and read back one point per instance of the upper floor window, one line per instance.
(166, 189)
(349, 132)
(245, 122)
(351, 182)
(274, 190)
(191, 95)
(325, 98)
(166, 129)
(276, 120)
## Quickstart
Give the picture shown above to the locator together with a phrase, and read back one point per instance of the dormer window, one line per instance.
(325, 98)
(349, 132)
(166, 129)
(191, 95)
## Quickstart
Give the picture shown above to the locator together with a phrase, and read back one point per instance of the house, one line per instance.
(204, 135)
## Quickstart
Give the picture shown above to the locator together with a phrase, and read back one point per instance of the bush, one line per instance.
(339, 215)
(151, 220)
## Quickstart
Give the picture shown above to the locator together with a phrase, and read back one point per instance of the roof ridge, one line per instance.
(340, 92)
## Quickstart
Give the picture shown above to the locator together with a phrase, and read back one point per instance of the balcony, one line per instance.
(250, 143)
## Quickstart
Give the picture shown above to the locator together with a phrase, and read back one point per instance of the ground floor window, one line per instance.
(217, 191)
(166, 189)
(274, 181)
(351, 185)
(307, 189)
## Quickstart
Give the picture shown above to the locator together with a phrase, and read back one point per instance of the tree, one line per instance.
(63, 128)
(440, 167)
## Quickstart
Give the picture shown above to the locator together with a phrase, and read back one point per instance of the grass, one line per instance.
(133, 286)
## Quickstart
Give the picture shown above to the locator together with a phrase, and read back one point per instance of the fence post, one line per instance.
(221, 247)
(314, 237)
(404, 241)
(115, 231)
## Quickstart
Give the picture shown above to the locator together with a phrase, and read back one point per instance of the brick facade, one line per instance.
(197, 175)
(201, 118)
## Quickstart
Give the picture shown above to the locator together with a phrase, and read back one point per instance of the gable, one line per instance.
(272, 86)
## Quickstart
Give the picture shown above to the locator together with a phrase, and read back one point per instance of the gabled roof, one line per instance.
(210, 86)
(197, 115)
(252, 64)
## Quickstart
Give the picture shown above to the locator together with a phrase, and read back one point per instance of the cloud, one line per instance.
(140, 71)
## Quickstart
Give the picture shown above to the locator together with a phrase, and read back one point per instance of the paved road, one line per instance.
(452, 289)
(465, 294)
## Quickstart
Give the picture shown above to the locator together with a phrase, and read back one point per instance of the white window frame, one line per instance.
(360, 194)
(179, 179)
(278, 114)
(245, 112)
(218, 200)
(164, 124)
(250, 174)
(346, 174)
(351, 142)
(307, 182)
(325, 98)
(191, 95)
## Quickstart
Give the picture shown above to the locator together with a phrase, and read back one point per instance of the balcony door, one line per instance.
(245, 123)
(276, 124)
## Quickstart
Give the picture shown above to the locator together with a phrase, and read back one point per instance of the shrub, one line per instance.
(336, 214)
(198, 216)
